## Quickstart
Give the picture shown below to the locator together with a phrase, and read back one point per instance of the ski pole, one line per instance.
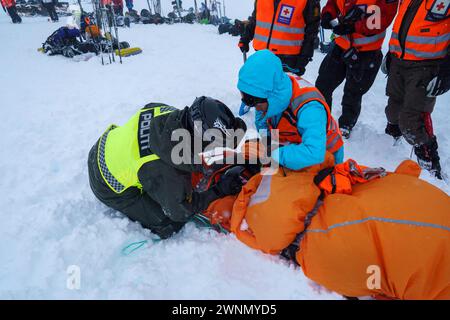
(98, 17)
(244, 55)
(107, 28)
(87, 21)
(196, 8)
(149, 7)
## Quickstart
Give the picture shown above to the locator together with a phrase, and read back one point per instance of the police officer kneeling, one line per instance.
(131, 167)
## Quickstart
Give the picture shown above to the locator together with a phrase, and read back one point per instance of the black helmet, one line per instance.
(214, 114)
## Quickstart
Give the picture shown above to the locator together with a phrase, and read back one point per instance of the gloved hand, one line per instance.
(439, 84)
(253, 150)
(354, 14)
(301, 70)
(386, 63)
(325, 21)
(230, 182)
(298, 70)
(244, 45)
(344, 28)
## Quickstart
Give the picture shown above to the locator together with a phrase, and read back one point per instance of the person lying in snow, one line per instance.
(355, 230)
(291, 105)
(133, 168)
(68, 41)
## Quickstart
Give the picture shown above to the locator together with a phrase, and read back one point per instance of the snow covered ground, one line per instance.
(52, 111)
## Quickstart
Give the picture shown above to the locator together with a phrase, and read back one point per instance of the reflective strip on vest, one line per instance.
(366, 40)
(421, 40)
(266, 25)
(304, 97)
(280, 42)
(116, 178)
(107, 176)
(332, 143)
(263, 191)
(419, 54)
(424, 40)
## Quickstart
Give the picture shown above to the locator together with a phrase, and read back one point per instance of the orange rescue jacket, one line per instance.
(281, 29)
(287, 126)
(428, 35)
(357, 40)
(390, 237)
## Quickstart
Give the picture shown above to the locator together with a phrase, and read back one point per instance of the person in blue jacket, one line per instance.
(280, 101)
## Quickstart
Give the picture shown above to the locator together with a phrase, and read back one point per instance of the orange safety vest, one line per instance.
(428, 35)
(357, 40)
(287, 126)
(281, 29)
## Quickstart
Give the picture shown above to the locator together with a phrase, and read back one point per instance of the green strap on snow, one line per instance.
(132, 247)
(200, 220)
(203, 222)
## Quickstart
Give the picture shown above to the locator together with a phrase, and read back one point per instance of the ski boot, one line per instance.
(345, 131)
(428, 157)
(394, 131)
(127, 22)
(12, 11)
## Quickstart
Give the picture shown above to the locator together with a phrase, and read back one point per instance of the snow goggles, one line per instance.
(251, 101)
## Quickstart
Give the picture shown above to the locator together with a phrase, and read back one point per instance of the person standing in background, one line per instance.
(49, 5)
(288, 28)
(418, 68)
(355, 56)
(9, 6)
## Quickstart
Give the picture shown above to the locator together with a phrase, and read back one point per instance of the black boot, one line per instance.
(345, 131)
(14, 15)
(428, 157)
(393, 130)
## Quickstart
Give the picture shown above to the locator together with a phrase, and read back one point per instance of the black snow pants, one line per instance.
(136, 205)
(358, 80)
(12, 11)
(408, 105)
(50, 7)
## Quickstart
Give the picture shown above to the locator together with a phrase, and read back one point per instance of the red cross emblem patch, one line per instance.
(440, 7)
(286, 14)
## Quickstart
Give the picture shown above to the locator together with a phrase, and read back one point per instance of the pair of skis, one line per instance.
(106, 22)
(156, 4)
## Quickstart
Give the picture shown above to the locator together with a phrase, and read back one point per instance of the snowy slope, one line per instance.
(52, 111)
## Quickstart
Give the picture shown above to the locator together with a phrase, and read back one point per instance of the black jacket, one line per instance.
(172, 198)
(167, 183)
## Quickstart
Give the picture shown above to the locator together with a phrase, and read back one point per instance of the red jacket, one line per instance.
(388, 11)
(8, 3)
(118, 3)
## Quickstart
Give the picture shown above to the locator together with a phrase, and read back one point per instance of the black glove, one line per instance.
(354, 14)
(325, 22)
(344, 28)
(386, 64)
(301, 70)
(441, 83)
(244, 45)
(230, 182)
